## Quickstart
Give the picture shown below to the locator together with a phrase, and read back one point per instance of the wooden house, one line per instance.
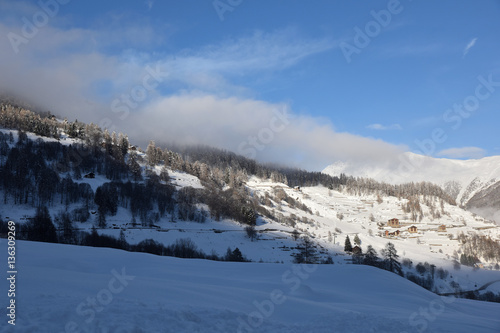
(356, 250)
(392, 234)
(393, 223)
(412, 229)
(442, 227)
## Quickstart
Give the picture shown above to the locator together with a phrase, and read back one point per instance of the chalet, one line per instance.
(356, 250)
(393, 223)
(392, 234)
(90, 175)
(442, 227)
(412, 229)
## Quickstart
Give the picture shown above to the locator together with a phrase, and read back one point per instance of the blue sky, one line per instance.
(358, 80)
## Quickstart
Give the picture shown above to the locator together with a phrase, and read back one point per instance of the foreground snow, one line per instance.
(62, 288)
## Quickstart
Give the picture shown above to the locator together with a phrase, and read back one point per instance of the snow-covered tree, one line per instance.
(152, 154)
(134, 166)
(123, 143)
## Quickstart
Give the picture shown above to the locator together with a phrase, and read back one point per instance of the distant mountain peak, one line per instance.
(462, 179)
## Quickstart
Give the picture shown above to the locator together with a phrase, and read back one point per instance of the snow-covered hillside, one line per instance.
(338, 214)
(330, 217)
(64, 288)
(465, 180)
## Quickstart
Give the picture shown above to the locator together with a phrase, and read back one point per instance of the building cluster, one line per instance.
(394, 223)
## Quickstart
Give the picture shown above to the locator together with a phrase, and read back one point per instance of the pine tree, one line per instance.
(123, 240)
(237, 256)
(371, 257)
(307, 252)
(134, 166)
(101, 217)
(41, 228)
(108, 142)
(347, 245)
(234, 255)
(151, 153)
(357, 241)
(251, 233)
(248, 215)
(67, 226)
(391, 259)
(123, 142)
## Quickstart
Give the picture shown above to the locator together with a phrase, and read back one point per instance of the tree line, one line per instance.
(40, 228)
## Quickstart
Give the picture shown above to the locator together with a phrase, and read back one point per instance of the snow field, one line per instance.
(64, 288)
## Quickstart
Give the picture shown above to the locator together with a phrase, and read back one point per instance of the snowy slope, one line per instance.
(462, 178)
(133, 292)
(361, 215)
(275, 243)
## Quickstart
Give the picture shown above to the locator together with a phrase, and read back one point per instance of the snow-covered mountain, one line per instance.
(102, 195)
(329, 217)
(475, 184)
(326, 216)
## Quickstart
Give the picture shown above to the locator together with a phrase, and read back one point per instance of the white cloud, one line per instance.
(195, 103)
(212, 66)
(252, 128)
(69, 68)
(380, 127)
(469, 46)
(464, 152)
